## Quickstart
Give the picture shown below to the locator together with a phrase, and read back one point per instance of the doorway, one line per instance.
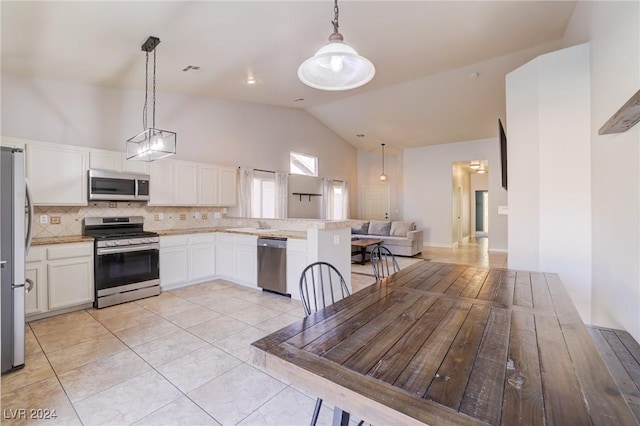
(482, 213)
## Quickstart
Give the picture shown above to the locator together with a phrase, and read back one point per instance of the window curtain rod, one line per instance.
(271, 171)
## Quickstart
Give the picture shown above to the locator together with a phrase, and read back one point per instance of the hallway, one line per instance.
(475, 252)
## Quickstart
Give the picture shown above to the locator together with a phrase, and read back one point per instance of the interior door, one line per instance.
(376, 203)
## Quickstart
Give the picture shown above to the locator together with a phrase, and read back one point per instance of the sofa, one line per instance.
(401, 238)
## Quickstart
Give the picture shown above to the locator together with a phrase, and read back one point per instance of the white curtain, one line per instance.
(282, 195)
(327, 198)
(330, 209)
(246, 191)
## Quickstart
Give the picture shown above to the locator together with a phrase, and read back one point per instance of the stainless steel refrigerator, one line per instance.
(13, 251)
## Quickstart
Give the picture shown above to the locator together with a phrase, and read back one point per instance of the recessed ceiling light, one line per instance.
(251, 81)
(360, 135)
(475, 74)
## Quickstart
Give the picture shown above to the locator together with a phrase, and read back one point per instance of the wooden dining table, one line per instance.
(447, 344)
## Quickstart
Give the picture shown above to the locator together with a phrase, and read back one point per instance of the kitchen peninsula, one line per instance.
(229, 250)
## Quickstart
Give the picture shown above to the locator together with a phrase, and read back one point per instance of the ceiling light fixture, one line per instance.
(251, 81)
(336, 66)
(474, 165)
(152, 144)
(383, 177)
(481, 171)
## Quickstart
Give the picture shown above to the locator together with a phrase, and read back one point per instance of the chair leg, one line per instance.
(316, 412)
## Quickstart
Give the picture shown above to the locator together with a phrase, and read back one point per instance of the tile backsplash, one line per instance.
(66, 221)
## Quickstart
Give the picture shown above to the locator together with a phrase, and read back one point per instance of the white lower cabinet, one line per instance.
(187, 259)
(247, 260)
(62, 276)
(296, 262)
(35, 301)
(202, 254)
(236, 258)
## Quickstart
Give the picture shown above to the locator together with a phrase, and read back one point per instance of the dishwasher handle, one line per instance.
(274, 242)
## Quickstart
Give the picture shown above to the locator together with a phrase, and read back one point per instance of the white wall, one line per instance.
(428, 194)
(369, 170)
(211, 130)
(548, 112)
(615, 77)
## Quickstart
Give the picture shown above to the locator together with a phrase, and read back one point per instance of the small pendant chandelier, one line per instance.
(336, 66)
(383, 177)
(152, 144)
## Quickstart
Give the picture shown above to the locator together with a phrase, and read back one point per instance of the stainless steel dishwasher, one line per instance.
(272, 264)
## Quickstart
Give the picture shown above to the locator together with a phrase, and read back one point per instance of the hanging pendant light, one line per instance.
(383, 177)
(152, 144)
(336, 66)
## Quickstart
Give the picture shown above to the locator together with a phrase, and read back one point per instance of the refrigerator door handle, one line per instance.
(29, 236)
(30, 286)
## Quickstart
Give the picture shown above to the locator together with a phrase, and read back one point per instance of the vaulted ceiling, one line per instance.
(440, 64)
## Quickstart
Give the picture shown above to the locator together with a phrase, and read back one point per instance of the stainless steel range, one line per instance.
(126, 259)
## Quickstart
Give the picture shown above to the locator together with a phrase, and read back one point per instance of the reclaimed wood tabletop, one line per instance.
(447, 344)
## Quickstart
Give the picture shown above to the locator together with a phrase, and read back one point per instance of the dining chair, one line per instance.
(321, 285)
(383, 262)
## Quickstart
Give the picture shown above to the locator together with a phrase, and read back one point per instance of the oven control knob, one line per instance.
(144, 241)
(111, 243)
(132, 241)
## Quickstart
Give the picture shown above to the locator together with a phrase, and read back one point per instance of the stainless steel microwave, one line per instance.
(105, 185)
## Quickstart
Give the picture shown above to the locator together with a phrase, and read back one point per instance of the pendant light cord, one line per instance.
(335, 21)
(146, 92)
(153, 117)
(383, 159)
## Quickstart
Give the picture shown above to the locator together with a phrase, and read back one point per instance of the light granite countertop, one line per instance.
(61, 240)
(302, 235)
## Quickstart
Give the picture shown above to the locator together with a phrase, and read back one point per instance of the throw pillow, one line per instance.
(362, 229)
(400, 229)
(379, 227)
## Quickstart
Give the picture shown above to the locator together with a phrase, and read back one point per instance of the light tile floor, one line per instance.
(179, 358)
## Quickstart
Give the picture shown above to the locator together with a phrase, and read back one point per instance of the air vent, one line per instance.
(191, 68)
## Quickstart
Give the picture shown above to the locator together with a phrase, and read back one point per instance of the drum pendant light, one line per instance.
(152, 144)
(336, 66)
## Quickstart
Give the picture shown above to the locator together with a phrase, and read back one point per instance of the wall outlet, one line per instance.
(205, 216)
(44, 219)
(336, 240)
(217, 215)
(196, 215)
(113, 205)
(156, 217)
(55, 220)
(183, 217)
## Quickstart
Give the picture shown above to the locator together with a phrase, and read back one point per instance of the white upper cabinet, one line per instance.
(185, 176)
(208, 185)
(227, 186)
(116, 161)
(57, 174)
(161, 185)
(188, 183)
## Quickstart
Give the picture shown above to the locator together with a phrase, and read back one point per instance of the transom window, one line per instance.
(302, 164)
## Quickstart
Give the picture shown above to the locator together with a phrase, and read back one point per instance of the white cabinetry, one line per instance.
(247, 260)
(236, 258)
(116, 161)
(62, 276)
(227, 186)
(185, 177)
(57, 174)
(35, 301)
(186, 259)
(161, 185)
(202, 254)
(174, 260)
(188, 183)
(296, 262)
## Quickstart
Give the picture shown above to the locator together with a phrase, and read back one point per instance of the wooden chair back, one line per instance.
(321, 285)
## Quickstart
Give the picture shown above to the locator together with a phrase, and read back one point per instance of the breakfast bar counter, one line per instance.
(446, 344)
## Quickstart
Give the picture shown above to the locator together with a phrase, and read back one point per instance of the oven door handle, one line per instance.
(113, 250)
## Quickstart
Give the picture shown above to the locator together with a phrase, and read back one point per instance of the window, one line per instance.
(338, 203)
(301, 164)
(263, 202)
